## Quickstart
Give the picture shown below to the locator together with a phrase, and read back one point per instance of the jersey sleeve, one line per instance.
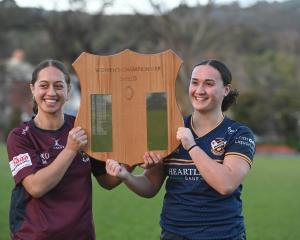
(98, 167)
(22, 155)
(242, 144)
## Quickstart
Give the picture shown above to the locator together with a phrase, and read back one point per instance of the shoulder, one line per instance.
(19, 139)
(69, 120)
(237, 128)
(19, 132)
(187, 121)
(240, 140)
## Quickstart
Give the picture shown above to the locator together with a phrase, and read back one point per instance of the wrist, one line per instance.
(192, 147)
(124, 176)
(69, 151)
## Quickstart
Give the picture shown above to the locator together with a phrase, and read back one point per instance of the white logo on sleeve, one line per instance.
(19, 162)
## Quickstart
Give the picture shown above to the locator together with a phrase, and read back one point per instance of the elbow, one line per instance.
(149, 195)
(146, 194)
(34, 188)
(37, 195)
(35, 192)
(108, 187)
(226, 190)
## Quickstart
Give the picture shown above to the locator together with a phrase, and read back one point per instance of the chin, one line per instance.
(197, 106)
(201, 109)
(52, 111)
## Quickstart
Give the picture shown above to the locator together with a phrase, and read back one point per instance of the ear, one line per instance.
(227, 89)
(69, 92)
(31, 88)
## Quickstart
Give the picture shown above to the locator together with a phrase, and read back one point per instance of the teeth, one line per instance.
(50, 101)
(199, 98)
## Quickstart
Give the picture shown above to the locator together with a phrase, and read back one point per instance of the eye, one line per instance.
(210, 83)
(59, 86)
(194, 82)
(43, 86)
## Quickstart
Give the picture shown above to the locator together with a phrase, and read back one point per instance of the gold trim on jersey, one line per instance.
(242, 156)
(175, 161)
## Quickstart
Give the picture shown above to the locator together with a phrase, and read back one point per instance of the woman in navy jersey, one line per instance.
(205, 173)
(52, 197)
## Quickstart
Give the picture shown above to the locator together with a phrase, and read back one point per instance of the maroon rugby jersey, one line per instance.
(63, 213)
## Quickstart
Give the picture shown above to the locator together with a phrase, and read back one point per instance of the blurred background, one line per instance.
(258, 40)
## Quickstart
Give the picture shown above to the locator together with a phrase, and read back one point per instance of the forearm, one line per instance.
(47, 178)
(146, 184)
(140, 185)
(108, 182)
(218, 176)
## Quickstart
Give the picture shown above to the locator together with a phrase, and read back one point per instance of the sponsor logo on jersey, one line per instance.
(19, 162)
(231, 131)
(25, 130)
(84, 157)
(218, 146)
(57, 145)
(245, 141)
(188, 174)
(44, 157)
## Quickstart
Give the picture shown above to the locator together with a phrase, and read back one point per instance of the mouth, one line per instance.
(50, 100)
(200, 99)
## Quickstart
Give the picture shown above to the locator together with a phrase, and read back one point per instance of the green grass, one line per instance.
(272, 199)
(271, 204)
(6, 183)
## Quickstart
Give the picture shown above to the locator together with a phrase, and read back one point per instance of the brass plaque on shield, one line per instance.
(128, 104)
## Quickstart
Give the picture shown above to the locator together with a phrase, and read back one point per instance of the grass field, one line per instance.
(271, 204)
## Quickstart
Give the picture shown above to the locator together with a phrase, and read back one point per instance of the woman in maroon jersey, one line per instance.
(52, 197)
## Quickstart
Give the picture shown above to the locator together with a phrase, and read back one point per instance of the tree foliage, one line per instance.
(271, 104)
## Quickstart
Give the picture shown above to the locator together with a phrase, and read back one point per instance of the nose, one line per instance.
(200, 89)
(51, 90)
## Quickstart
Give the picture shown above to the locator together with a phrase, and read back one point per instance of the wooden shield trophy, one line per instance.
(128, 104)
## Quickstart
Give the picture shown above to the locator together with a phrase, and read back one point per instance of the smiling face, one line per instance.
(206, 90)
(50, 90)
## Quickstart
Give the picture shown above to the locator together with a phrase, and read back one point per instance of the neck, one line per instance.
(204, 123)
(49, 122)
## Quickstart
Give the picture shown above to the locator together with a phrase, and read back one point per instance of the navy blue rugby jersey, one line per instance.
(191, 207)
(65, 212)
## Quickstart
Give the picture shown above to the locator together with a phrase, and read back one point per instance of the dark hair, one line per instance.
(44, 64)
(226, 77)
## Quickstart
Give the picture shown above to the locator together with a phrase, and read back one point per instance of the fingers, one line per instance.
(112, 167)
(79, 136)
(181, 133)
(151, 159)
(185, 136)
(178, 135)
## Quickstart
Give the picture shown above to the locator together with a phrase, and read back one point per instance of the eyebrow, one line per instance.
(206, 79)
(46, 81)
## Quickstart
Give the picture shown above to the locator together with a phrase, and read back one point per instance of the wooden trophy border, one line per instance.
(86, 67)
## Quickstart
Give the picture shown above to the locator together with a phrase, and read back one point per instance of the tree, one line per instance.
(271, 104)
(74, 31)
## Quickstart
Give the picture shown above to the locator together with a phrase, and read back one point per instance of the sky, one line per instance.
(126, 6)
